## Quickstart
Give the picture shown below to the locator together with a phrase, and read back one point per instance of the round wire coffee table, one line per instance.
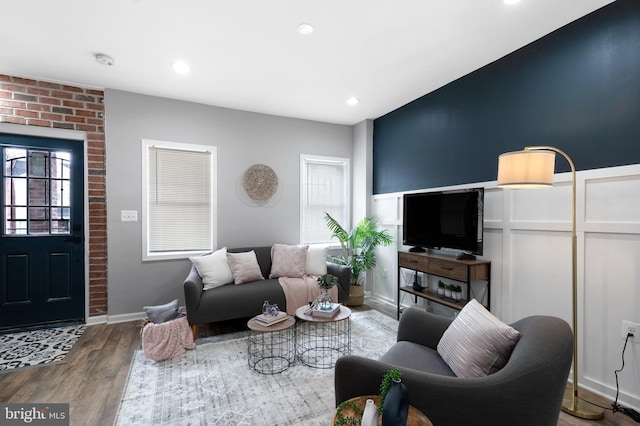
(321, 341)
(271, 348)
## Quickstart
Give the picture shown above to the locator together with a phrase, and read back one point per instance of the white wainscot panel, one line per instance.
(384, 275)
(493, 251)
(612, 294)
(551, 204)
(613, 200)
(386, 209)
(493, 199)
(540, 275)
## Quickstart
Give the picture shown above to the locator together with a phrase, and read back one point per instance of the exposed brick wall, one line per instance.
(39, 103)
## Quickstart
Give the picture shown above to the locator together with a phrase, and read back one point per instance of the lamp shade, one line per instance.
(526, 169)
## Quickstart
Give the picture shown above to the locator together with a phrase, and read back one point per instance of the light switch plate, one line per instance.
(128, 215)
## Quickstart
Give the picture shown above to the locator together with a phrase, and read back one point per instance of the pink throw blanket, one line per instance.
(301, 291)
(167, 340)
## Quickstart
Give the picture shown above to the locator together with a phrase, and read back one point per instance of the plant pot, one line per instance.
(356, 295)
(447, 293)
(440, 291)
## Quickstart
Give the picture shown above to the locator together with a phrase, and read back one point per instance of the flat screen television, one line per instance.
(444, 220)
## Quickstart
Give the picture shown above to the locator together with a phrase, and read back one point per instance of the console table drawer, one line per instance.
(414, 261)
(447, 269)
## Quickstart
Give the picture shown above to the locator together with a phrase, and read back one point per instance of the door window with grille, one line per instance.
(37, 186)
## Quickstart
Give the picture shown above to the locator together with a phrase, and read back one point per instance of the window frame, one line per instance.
(306, 159)
(146, 144)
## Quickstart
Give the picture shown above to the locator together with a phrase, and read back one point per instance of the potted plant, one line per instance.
(358, 251)
(441, 287)
(325, 282)
(447, 291)
(394, 398)
(456, 292)
(385, 385)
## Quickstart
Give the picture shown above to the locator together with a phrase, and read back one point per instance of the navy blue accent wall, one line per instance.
(577, 89)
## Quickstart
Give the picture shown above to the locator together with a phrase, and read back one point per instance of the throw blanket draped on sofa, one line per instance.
(301, 291)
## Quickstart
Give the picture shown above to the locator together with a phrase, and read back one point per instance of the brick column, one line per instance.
(59, 106)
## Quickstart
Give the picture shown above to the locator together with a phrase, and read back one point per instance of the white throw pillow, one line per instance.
(244, 267)
(477, 343)
(288, 261)
(213, 268)
(316, 260)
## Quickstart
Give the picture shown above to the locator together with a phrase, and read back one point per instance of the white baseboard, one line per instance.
(98, 319)
(114, 319)
(136, 316)
(625, 399)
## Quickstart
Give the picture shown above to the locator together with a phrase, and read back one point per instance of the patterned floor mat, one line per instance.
(37, 347)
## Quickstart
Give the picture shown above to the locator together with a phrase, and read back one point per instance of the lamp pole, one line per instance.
(571, 403)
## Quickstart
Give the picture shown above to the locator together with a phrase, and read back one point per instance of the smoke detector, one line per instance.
(103, 59)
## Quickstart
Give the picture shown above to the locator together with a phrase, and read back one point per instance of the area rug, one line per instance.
(37, 347)
(213, 384)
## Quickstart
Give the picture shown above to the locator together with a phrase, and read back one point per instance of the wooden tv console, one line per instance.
(463, 271)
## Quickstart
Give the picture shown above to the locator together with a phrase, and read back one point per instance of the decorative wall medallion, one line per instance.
(260, 182)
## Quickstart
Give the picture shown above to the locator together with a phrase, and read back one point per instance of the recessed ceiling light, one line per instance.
(353, 101)
(181, 67)
(103, 59)
(305, 29)
(510, 1)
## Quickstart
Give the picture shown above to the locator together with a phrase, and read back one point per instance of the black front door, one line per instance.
(41, 240)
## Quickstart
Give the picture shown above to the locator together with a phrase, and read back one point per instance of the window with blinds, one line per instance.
(178, 200)
(324, 187)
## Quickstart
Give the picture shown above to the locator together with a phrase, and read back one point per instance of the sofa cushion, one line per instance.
(213, 268)
(316, 260)
(477, 343)
(162, 313)
(244, 267)
(288, 261)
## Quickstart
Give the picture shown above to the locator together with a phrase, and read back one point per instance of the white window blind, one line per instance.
(325, 186)
(179, 200)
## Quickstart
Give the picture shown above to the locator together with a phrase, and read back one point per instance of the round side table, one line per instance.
(271, 349)
(415, 418)
(320, 341)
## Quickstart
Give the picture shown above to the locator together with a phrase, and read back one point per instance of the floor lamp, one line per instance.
(533, 167)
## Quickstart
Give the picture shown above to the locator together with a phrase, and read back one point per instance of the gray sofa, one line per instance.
(528, 390)
(243, 301)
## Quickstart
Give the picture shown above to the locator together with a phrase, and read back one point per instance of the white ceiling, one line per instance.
(248, 55)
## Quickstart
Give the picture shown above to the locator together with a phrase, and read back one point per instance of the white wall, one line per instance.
(242, 139)
(528, 240)
(362, 164)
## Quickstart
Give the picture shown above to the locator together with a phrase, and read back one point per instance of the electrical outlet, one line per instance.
(633, 328)
(128, 215)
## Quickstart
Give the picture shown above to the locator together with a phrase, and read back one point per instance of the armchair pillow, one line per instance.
(477, 343)
(213, 268)
(244, 267)
(288, 261)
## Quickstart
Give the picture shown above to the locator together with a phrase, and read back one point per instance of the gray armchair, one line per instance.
(528, 390)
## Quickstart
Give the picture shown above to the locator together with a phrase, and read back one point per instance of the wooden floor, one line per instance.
(92, 377)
